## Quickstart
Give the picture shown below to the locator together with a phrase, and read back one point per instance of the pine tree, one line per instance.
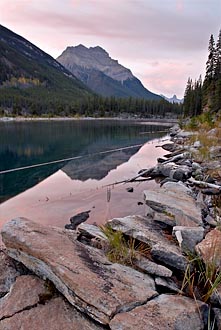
(187, 98)
(210, 64)
(217, 77)
(218, 58)
(208, 85)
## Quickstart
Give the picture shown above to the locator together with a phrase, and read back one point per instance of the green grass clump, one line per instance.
(122, 250)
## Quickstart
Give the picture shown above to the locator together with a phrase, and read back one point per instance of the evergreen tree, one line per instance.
(210, 64)
(208, 85)
(218, 58)
(187, 104)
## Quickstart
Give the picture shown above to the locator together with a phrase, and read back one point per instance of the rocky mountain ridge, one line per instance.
(104, 75)
(173, 99)
(94, 58)
(29, 50)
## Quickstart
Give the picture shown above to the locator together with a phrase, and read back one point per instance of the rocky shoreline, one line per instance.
(62, 279)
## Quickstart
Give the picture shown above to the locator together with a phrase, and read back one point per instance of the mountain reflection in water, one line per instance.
(97, 167)
(26, 143)
(57, 198)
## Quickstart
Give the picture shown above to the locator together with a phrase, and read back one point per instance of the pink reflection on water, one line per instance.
(57, 198)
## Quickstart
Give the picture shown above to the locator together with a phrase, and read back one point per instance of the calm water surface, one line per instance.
(63, 189)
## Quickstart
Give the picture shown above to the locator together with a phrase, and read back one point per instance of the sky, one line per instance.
(163, 42)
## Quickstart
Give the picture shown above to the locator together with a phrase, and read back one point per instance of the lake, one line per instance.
(62, 189)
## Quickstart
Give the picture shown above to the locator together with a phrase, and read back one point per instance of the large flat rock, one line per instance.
(175, 199)
(56, 314)
(146, 230)
(24, 293)
(81, 273)
(33, 304)
(165, 312)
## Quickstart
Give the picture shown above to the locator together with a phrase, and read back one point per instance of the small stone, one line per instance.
(186, 162)
(174, 130)
(215, 151)
(130, 189)
(197, 144)
(185, 134)
(210, 220)
(167, 219)
(167, 284)
(151, 268)
(170, 257)
(161, 160)
(209, 179)
(188, 237)
(182, 173)
(196, 166)
(165, 169)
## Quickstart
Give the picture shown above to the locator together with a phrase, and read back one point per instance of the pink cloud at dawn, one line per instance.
(157, 40)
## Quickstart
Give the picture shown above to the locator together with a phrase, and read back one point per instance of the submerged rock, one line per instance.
(77, 219)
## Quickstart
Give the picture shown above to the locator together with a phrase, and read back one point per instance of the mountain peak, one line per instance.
(80, 46)
(98, 49)
(101, 73)
(94, 58)
(173, 99)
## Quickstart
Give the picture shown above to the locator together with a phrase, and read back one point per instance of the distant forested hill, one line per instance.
(31, 80)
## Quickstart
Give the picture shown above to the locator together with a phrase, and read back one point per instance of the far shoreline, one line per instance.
(152, 121)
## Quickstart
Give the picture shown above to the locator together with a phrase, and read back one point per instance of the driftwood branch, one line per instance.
(174, 153)
(134, 179)
(204, 184)
(176, 158)
(138, 175)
